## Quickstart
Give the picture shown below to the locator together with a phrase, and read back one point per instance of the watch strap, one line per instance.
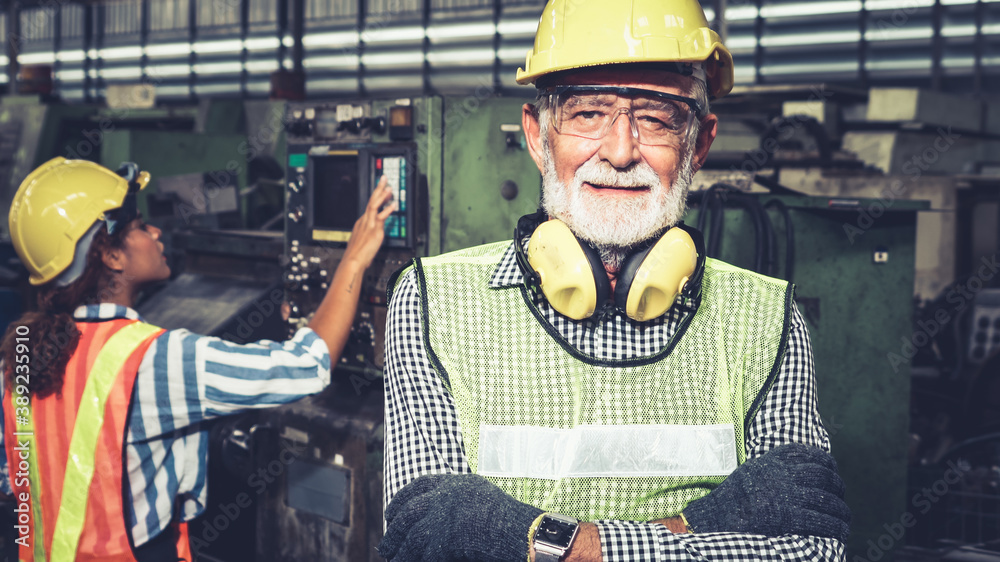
(547, 557)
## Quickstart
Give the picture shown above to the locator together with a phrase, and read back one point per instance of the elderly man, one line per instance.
(597, 388)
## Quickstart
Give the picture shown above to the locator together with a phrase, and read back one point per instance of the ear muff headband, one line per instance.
(571, 276)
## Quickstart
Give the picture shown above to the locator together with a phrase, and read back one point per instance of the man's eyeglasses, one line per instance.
(656, 118)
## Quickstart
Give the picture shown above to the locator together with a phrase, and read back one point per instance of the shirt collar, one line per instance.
(104, 311)
(507, 272)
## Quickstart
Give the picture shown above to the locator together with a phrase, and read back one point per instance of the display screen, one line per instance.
(554, 531)
(335, 192)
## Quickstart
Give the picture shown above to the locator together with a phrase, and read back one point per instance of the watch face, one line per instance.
(554, 531)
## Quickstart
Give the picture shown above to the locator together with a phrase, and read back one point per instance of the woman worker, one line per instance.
(105, 449)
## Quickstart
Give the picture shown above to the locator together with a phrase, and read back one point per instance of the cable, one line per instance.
(702, 208)
(712, 208)
(758, 229)
(711, 211)
(766, 246)
(718, 208)
(710, 205)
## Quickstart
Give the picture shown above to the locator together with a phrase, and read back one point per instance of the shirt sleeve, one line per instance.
(790, 412)
(186, 378)
(422, 430)
(423, 437)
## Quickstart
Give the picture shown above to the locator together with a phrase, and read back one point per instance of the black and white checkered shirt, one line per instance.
(423, 434)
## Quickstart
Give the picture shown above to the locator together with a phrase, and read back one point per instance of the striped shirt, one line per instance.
(423, 435)
(184, 380)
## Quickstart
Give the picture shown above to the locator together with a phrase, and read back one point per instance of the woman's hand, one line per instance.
(369, 229)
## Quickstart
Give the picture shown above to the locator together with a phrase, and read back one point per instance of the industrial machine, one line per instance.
(862, 398)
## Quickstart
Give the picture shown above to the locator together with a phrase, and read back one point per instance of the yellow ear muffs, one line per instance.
(649, 281)
(571, 274)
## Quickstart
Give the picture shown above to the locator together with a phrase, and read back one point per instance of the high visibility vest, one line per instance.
(635, 439)
(65, 451)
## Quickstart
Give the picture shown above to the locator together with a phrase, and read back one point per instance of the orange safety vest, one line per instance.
(66, 455)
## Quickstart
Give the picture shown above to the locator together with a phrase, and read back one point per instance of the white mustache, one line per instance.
(601, 173)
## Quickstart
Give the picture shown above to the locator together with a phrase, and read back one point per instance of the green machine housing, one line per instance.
(854, 288)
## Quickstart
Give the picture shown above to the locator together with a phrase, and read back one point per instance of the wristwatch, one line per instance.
(554, 536)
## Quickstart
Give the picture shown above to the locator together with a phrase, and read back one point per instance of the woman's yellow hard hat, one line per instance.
(55, 206)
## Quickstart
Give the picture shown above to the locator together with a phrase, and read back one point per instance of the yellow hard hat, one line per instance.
(56, 205)
(581, 33)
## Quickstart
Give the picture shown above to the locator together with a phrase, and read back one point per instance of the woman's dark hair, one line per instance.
(51, 328)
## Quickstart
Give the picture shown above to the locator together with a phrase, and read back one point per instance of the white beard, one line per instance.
(615, 225)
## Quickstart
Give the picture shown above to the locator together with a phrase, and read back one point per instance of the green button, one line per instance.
(298, 160)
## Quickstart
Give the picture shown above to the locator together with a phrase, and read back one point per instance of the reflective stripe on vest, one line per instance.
(606, 450)
(504, 366)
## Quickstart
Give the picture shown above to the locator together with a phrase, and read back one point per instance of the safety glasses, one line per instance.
(656, 118)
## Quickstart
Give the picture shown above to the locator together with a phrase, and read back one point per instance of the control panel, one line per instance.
(329, 186)
(337, 154)
(310, 269)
